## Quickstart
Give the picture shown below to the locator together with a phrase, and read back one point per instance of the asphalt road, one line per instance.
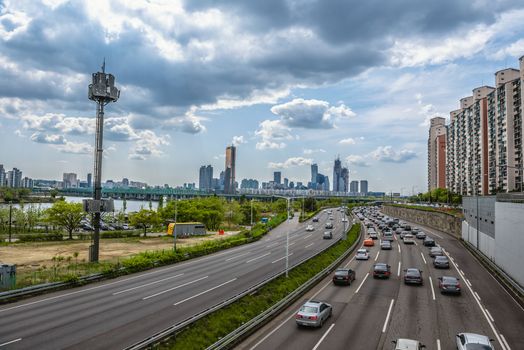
(117, 313)
(371, 313)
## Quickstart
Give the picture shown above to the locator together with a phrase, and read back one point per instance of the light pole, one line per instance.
(10, 218)
(287, 239)
(174, 229)
(251, 212)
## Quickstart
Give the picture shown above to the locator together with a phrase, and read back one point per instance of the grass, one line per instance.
(450, 211)
(212, 327)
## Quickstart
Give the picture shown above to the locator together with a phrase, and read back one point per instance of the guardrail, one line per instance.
(172, 330)
(255, 323)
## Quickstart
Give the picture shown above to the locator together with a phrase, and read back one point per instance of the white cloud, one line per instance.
(357, 160)
(291, 162)
(189, 123)
(46, 138)
(238, 140)
(149, 144)
(348, 141)
(311, 151)
(388, 154)
(515, 49)
(76, 148)
(272, 134)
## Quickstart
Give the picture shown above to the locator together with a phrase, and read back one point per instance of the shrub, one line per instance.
(40, 237)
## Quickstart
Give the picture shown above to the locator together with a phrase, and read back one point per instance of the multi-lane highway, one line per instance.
(371, 313)
(117, 313)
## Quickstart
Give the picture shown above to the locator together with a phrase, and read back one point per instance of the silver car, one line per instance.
(466, 341)
(313, 313)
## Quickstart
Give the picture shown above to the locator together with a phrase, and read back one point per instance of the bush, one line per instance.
(40, 237)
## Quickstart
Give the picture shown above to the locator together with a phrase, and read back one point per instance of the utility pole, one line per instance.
(174, 229)
(251, 212)
(287, 239)
(10, 218)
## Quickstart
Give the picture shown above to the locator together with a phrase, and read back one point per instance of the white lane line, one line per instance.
(378, 253)
(415, 242)
(436, 234)
(398, 271)
(170, 289)
(281, 258)
(349, 262)
(478, 296)
(239, 255)
(387, 316)
(306, 237)
(290, 244)
(309, 245)
(398, 246)
(438, 344)
(204, 292)
(258, 257)
(468, 282)
(432, 289)
(147, 284)
(324, 336)
(462, 272)
(491, 324)
(272, 245)
(490, 317)
(10, 342)
(423, 258)
(505, 342)
(361, 283)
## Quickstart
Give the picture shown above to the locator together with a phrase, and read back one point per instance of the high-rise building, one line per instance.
(314, 173)
(205, 179)
(89, 180)
(337, 172)
(344, 180)
(229, 176)
(437, 154)
(364, 187)
(277, 177)
(70, 180)
(353, 187)
(249, 183)
(286, 182)
(27, 182)
(14, 178)
(3, 178)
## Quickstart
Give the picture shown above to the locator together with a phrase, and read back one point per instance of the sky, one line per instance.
(290, 83)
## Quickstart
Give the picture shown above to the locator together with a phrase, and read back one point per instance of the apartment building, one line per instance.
(436, 153)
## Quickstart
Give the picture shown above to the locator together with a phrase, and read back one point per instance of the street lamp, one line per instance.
(174, 229)
(287, 238)
(251, 212)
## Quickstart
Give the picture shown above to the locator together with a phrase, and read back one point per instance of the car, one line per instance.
(373, 235)
(362, 254)
(467, 341)
(368, 242)
(421, 235)
(388, 236)
(385, 245)
(313, 314)
(449, 284)
(413, 276)
(329, 225)
(327, 235)
(429, 242)
(344, 220)
(415, 230)
(343, 276)
(435, 251)
(408, 239)
(310, 228)
(315, 219)
(408, 344)
(441, 262)
(381, 270)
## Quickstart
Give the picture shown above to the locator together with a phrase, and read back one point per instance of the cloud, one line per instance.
(272, 135)
(76, 148)
(388, 154)
(310, 114)
(291, 162)
(238, 140)
(357, 160)
(149, 144)
(49, 139)
(348, 141)
(311, 151)
(190, 123)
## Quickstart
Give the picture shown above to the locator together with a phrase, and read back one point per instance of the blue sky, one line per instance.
(289, 82)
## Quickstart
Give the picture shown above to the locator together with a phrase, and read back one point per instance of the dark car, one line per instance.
(329, 225)
(381, 270)
(449, 284)
(413, 276)
(436, 251)
(441, 262)
(429, 242)
(344, 276)
(327, 235)
(315, 219)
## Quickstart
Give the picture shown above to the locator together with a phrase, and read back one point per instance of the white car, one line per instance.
(344, 220)
(467, 341)
(408, 344)
(310, 228)
(408, 239)
(362, 254)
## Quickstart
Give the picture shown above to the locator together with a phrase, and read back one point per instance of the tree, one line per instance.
(233, 213)
(66, 215)
(53, 193)
(144, 218)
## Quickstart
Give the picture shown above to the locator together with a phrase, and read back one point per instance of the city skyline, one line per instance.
(224, 78)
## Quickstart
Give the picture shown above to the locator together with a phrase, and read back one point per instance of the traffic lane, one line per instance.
(413, 314)
(505, 311)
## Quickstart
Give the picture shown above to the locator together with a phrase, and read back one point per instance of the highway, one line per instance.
(116, 313)
(371, 313)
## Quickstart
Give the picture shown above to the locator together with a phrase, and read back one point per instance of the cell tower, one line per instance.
(102, 90)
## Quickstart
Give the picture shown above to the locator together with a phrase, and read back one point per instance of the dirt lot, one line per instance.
(34, 255)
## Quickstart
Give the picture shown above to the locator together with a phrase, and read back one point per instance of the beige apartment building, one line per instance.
(437, 153)
(484, 138)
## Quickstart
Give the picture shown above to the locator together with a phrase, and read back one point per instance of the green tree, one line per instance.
(144, 218)
(233, 213)
(53, 193)
(66, 215)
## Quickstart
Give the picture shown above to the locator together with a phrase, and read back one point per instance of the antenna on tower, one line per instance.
(104, 66)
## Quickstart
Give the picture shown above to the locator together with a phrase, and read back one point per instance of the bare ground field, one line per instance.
(29, 256)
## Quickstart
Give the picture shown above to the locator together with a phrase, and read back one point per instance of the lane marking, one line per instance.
(281, 258)
(309, 245)
(272, 245)
(290, 244)
(398, 271)
(306, 237)
(349, 262)
(462, 272)
(423, 258)
(398, 246)
(436, 234)
(490, 317)
(361, 283)
(258, 257)
(324, 336)
(378, 253)
(387, 316)
(204, 292)
(468, 282)
(10, 342)
(505, 342)
(415, 242)
(438, 344)
(478, 296)
(147, 284)
(432, 289)
(170, 289)
(238, 256)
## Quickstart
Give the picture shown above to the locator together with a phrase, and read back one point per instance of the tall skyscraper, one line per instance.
(70, 180)
(344, 180)
(205, 180)
(3, 179)
(364, 187)
(286, 182)
(437, 153)
(337, 172)
(14, 178)
(353, 187)
(314, 173)
(277, 177)
(229, 177)
(89, 180)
